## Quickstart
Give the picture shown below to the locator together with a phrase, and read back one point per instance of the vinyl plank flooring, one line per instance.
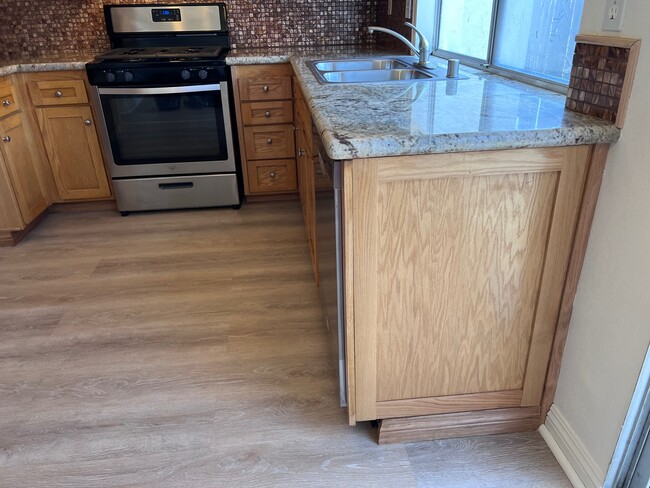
(498, 461)
(188, 350)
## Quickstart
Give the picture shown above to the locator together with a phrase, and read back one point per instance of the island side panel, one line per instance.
(365, 248)
(565, 216)
(458, 279)
(348, 273)
(581, 237)
(505, 204)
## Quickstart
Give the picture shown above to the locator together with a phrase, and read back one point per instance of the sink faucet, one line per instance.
(422, 52)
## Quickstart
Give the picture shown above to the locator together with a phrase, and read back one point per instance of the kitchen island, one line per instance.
(466, 211)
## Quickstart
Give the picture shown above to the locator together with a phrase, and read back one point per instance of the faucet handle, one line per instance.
(424, 42)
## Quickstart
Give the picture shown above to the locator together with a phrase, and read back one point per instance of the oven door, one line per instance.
(166, 130)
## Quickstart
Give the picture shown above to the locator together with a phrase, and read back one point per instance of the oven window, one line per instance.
(178, 128)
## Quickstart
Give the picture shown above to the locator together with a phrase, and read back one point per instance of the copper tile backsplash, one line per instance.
(43, 28)
(597, 80)
(395, 21)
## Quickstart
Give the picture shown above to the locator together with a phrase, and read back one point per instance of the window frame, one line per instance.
(487, 65)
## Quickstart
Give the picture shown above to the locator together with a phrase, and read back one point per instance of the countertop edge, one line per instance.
(31, 67)
(347, 149)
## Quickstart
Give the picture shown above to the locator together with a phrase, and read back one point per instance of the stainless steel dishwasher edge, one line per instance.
(329, 228)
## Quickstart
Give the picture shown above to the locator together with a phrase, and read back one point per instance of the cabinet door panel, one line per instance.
(10, 217)
(74, 153)
(21, 166)
(459, 262)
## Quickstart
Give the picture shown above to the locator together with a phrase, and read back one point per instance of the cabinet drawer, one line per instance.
(265, 88)
(272, 176)
(262, 113)
(269, 142)
(59, 92)
(8, 100)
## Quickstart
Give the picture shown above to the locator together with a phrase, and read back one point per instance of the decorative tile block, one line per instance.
(601, 76)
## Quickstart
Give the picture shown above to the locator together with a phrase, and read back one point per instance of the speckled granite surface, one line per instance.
(59, 63)
(484, 112)
(275, 55)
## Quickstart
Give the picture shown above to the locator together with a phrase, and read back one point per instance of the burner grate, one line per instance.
(161, 53)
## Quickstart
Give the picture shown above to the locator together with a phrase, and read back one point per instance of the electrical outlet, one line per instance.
(614, 13)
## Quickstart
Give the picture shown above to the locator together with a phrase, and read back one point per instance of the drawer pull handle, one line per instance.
(301, 153)
(175, 186)
(265, 88)
(272, 174)
(88, 122)
(58, 94)
(267, 114)
(6, 139)
(269, 141)
(6, 103)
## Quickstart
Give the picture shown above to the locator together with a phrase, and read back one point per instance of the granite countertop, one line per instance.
(56, 63)
(275, 55)
(483, 112)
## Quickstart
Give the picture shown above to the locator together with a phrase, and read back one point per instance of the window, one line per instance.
(531, 37)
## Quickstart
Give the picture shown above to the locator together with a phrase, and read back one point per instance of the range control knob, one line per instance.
(128, 76)
(110, 76)
(185, 74)
(203, 74)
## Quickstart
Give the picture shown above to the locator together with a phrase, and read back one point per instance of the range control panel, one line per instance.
(166, 14)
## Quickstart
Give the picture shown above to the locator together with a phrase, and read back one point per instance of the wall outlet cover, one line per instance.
(614, 14)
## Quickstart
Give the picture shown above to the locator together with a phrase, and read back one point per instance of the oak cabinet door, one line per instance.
(10, 216)
(21, 167)
(459, 263)
(73, 150)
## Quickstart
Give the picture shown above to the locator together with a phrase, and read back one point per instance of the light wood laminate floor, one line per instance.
(186, 349)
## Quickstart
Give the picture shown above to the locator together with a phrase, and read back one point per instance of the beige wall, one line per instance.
(610, 327)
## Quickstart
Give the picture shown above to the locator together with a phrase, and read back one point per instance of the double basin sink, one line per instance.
(369, 71)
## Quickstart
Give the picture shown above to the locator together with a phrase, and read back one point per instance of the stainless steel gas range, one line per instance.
(164, 96)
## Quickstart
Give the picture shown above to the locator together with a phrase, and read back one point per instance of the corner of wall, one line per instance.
(569, 450)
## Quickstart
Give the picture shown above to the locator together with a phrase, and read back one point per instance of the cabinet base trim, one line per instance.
(448, 404)
(12, 238)
(465, 424)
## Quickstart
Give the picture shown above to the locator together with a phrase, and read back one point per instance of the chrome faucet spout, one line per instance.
(423, 52)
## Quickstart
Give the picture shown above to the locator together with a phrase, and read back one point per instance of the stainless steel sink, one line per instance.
(360, 64)
(369, 70)
(373, 76)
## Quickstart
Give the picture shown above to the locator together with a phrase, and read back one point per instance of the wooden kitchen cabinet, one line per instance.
(67, 127)
(265, 122)
(306, 173)
(21, 196)
(454, 273)
(73, 150)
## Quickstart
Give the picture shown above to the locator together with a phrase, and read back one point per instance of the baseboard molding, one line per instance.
(570, 452)
(460, 424)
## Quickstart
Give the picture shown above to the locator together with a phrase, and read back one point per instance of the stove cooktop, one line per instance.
(134, 54)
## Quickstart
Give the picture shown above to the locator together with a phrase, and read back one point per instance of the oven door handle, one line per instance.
(165, 90)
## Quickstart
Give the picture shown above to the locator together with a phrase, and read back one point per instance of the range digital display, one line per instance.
(166, 14)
